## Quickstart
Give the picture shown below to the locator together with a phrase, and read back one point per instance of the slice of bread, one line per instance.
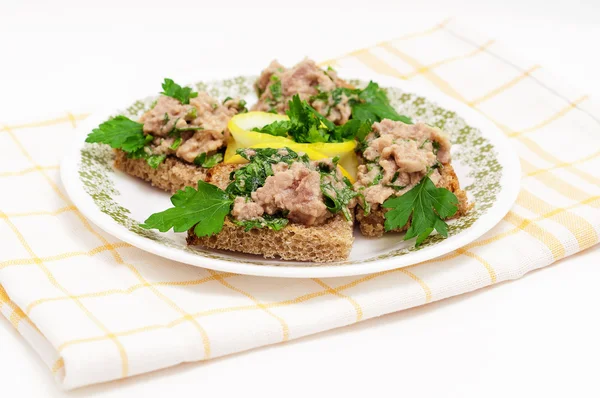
(372, 225)
(324, 243)
(171, 175)
(327, 242)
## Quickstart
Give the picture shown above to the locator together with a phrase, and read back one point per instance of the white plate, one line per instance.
(484, 161)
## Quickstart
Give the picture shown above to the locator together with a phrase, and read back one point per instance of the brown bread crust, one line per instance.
(324, 243)
(171, 175)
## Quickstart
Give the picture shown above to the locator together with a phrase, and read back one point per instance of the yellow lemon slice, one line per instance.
(249, 120)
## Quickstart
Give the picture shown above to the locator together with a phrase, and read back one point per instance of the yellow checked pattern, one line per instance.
(97, 309)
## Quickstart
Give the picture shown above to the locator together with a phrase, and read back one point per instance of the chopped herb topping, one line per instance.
(276, 223)
(275, 88)
(208, 161)
(176, 143)
(336, 198)
(242, 106)
(253, 175)
(192, 114)
(155, 160)
(177, 131)
(395, 187)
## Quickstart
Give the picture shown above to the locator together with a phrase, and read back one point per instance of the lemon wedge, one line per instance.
(242, 136)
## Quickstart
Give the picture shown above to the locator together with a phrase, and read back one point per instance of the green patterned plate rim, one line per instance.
(487, 167)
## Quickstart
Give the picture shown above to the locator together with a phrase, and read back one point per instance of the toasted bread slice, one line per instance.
(171, 175)
(327, 242)
(324, 243)
(372, 225)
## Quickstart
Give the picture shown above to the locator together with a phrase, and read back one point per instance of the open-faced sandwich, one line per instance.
(279, 204)
(290, 178)
(174, 143)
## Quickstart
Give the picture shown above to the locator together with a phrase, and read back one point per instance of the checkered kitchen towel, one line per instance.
(61, 279)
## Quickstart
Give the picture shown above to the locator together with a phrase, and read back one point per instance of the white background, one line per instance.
(537, 336)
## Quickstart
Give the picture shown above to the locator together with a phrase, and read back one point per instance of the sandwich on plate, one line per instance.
(290, 178)
(176, 142)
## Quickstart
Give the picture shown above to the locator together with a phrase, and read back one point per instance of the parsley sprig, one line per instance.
(276, 223)
(368, 104)
(205, 208)
(372, 104)
(427, 205)
(206, 161)
(306, 125)
(125, 134)
(120, 133)
(174, 90)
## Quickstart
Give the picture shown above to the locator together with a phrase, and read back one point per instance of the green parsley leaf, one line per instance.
(155, 160)
(277, 128)
(337, 199)
(227, 99)
(427, 205)
(373, 104)
(192, 114)
(176, 143)
(363, 202)
(205, 207)
(266, 221)
(395, 187)
(208, 161)
(377, 178)
(336, 196)
(144, 153)
(176, 131)
(275, 88)
(242, 106)
(305, 123)
(353, 129)
(120, 133)
(174, 90)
